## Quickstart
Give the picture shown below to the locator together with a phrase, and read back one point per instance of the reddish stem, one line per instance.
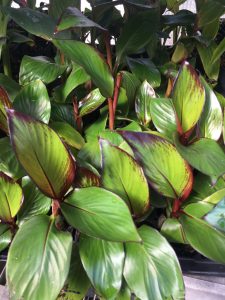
(111, 114)
(176, 207)
(108, 49)
(55, 207)
(116, 92)
(78, 119)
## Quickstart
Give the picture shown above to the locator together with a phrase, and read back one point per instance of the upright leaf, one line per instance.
(188, 97)
(211, 121)
(218, 52)
(37, 267)
(152, 269)
(11, 197)
(88, 58)
(88, 209)
(143, 100)
(165, 169)
(42, 154)
(33, 100)
(109, 259)
(90, 103)
(130, 83)
(117, 167)
(39, 67)
(204, 155)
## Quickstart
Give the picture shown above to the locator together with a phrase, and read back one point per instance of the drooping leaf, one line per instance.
(5, 236)
(11, 198)
(163, 166)
(143, 100)
(173, 231)
(34, 101)
(72, 17)
(207, 240)
(211, 121)
(164, 116)
(39, 67)
(152, 269)
(137, 32)
(122, 175)
(77, 77)
(70, 135)
(42, 154)
(35, 203)
(144, 69)
(204, 155)
(8, 161)
(91, 102)
(37, 267)
(188, 97)
(109, 259)
(4, 103)
(88, 58)
(88, 209)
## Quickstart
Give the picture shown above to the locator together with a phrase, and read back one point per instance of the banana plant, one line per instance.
(97, 141)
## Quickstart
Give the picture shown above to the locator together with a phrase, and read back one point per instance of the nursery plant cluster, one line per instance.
(111, 148)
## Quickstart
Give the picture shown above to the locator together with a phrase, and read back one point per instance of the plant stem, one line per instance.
(176, 207)
(116, 92)
(78, 119)
(108, 49)
(111, 114)
(55, 207)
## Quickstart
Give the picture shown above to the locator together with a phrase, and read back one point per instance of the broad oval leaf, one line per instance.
(172, 230)
(4, 103)
(37, 267)
(42, 154)
(91, 102)
(89, 209)
(86, 177)
(211, 121)
(152, 269)
(164, 116)
(122, 175)
(70, 135)
(11, 198)
(39, 67)
(103, 261)
(5, 236)
(207, 240)
(87, 57)
(11, 87)
(204, 155)
(210, 11)
(143, 101)
(188, 97)
(33, 100)
(131, 84)
(165, 169)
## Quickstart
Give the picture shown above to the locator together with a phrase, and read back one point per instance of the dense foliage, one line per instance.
(110, 149)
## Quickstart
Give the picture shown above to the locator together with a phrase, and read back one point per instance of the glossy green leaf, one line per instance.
(163, 166)
(72, 17)
(35, 203)
(98, 126)
(124, 293)
(164, 116)
(42, 154)
(131, 84)
(63, 113)
(137, 32)
(117, 167)
(88, 58)
(37, 267)
(8, 161)
(122, 107)
(204, 155)
(199, 209)
(216, 217)
(211, 121)
(215, 197)
(152, 269)
(188, 97)
(143, 100)
(103, 261)
(210, 11)
(88, 209)
(77, 282)
(218, 52)
(11, 198)
(204, 238)
(91, 153)
(86, 176)
(182, 17)
(11, 87)
(144, 69)
(91, 102)
(173, 231)
(57, 7)
(39, 67)
(4, 103)
(206, 54)
(5, 236)
(68, 134)
(77, 77)
(34, 101)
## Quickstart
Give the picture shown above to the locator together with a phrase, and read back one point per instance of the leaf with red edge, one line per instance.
(188, 97)
(167, 172)
(4, 103)
(42, 154)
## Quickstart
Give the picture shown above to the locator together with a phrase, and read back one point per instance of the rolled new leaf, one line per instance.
(11, 198)
(188, 97)
(42, 154)
(166, 171)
